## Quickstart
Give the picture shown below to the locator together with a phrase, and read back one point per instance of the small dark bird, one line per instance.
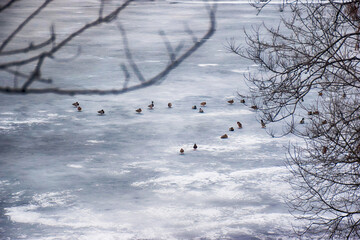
(169, 105)
(324, 122)
(320, 94)
(195, 146)
(101, 112)
(151, 106)
(344, 95)
(324, 150)
(231, 101)
(138, 110)
(224, 136)
(231, 129)
(79, 109)
(310, 113)
(316, 112)
(263, 124)
(201, 111)
(76, 104)
(182, 151)
(242, 100)
(302, 121)
(194, 107)
(239, 124)
(254, 107)
(203, 104)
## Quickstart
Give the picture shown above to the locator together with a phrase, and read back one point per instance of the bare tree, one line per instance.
(309, 79)
(33, 56)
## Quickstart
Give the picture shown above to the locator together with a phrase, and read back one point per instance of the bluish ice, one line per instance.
(77, 175)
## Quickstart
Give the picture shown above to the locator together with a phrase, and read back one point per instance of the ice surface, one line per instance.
(76, 175)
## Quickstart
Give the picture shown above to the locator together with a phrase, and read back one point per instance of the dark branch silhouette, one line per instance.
(175, 55)
(309, 80)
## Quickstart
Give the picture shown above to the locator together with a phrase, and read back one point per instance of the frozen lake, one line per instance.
(76, 175)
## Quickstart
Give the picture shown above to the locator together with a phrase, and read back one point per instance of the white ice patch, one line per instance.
(95, 141)
(74, 166)
(239, 71)
(208, 65)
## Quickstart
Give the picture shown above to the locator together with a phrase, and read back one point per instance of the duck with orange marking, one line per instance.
(76, 104)
(194, 107)
(203, 104)
(231, 101)
(224, 136)
(182, 151)
(138, 110)
(231, 129)
(101, 112)
(79, 109)
(239, 124)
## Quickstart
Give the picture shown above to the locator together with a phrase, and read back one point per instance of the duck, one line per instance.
(194, 107)
(201, 111)
(195, 146)
(320, 94)
(101, 112)
(151, 106)
(231, 101)
(76, 104)
(203, 104)
(263, 125)
(324, 150)
(239, 124)
(79, 109)
(310, 113)
(302, 121)
(138, 110)
(231, 129)
(242, 100)
(169, 105)
(254, 107)
(324, 122)
(224, 136)
(182, 151)
(316, 112)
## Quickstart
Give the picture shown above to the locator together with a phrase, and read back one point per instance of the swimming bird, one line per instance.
(239, 124)
(79, 109)
(203, 104)
(254, 107)
(76, 104)
(201, 111)
(138, 110)
(194, 107)
(169, 105)
(182, 151)
(324, 122)
(195, 146)
(231, 101)
(263, 124)
(242, 100)
(101, 112)
(224, 136)
(302, 121)
(231, 129)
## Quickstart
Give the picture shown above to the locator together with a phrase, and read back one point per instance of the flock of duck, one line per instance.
(202, 104)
